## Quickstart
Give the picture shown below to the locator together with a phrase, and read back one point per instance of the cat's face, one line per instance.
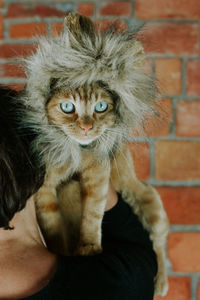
(83, 114)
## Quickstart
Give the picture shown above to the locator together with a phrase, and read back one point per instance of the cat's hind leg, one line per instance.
(148, 206)
(146, 203)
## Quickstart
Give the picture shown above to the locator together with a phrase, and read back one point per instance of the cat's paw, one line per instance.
(88, 250)
(161, 285)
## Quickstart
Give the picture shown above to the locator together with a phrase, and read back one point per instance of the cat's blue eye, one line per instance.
(67, 107)
(101, 106)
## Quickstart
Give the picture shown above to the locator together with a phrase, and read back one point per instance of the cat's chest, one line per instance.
(80, 163)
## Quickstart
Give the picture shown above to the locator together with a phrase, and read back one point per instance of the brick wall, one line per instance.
(170, 159)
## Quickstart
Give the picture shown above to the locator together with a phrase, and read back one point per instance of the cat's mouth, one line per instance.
(87, 139)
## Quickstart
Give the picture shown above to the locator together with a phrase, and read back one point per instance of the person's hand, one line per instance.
(112, 198)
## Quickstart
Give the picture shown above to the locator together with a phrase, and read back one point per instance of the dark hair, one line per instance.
(19, 175)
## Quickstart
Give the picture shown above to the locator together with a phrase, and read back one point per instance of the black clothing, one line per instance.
(123, 271)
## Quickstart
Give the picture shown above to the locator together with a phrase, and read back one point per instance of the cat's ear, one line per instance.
(79, 25)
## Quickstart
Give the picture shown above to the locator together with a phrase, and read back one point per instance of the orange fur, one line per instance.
(82, 232)
(70, 79)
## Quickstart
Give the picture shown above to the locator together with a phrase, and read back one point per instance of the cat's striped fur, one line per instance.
(83, 68)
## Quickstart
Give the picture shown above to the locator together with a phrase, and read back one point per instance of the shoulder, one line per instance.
(25, 273)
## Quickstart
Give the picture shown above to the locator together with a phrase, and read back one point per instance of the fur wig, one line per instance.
(82, 55)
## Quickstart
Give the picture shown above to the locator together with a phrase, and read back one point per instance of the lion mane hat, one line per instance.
(81, 55)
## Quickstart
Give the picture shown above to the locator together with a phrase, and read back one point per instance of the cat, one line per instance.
(85, 92)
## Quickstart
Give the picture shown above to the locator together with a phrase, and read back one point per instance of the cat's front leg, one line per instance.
(146, 203)
(48, 212)
(94, 184)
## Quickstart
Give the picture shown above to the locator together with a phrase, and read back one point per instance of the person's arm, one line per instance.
(124, 270)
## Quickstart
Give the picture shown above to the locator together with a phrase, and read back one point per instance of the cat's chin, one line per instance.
(84, 142)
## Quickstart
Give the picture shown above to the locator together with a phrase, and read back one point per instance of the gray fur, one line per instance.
(115, 59)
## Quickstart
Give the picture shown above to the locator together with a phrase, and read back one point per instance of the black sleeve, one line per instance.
(125, 270)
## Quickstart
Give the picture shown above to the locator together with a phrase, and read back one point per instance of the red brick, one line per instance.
(28, 30)
(56, 29)
(148, 66)
(179, 289)
(168, 73)
(11, 70)
(162, 9)
(33, 10)
(1, 26)
(116, 9)
(160, 125)
(183, 251)
(86, 9)
(193, 78)
(140, 153)
(177, 160)
(188, 118)
(119, 25)
(16, 86)
(198, 291)
(16, 50)
(171, 38)
(1, 3)
(182, 204)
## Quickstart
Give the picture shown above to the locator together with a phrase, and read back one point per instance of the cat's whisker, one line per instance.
(110, 149)
(110, 142)
(104, 143)
(117, 133)
(101, 142)
(126, 160)
(115, 162)
(122, 132)
(106, 133)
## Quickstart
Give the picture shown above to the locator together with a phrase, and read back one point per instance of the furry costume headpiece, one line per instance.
(80, 56)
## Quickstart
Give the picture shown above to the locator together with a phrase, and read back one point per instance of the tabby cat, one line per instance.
(85, 91)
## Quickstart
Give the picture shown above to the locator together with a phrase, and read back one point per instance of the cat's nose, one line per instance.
(86, 127)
